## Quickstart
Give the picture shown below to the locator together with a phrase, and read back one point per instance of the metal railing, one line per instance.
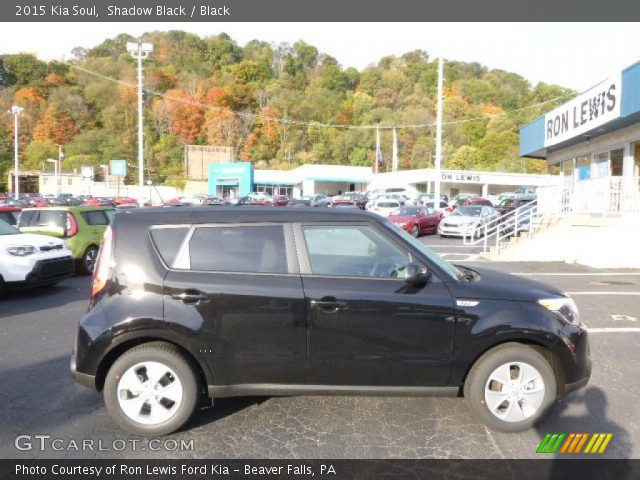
(522, 219)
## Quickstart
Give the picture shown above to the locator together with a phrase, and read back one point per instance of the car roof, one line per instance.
(72, 208)
(182, 215)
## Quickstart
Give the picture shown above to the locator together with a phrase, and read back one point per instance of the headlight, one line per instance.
(21, 250)
(565, 307)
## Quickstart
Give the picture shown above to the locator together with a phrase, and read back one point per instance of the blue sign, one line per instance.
(118, 168)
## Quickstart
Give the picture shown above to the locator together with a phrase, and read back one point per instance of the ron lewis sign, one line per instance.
(587, 111)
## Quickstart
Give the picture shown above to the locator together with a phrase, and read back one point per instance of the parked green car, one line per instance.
(81, 228)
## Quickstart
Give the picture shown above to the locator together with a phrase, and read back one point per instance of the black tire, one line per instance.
(479, 376)
(415, 231)
(158, 352)
(3, 288)
(88, 261)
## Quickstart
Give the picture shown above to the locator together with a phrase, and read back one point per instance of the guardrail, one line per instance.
(510, 224)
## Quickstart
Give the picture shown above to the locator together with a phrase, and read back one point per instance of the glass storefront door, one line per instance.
(583, 167)
(617, 160)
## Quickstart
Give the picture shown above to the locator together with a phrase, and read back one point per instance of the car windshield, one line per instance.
(407, 211)
(306, 198)
(387, 204)
(507, 202)
(467, 211)
(6, 229)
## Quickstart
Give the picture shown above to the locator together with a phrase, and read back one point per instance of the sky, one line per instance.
(575, 55)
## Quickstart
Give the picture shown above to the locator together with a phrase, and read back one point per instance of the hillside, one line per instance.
(212, 91)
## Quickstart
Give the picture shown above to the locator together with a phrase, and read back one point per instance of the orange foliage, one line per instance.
(490, 109)
(185, 116)
(55, 79)
(29, 95)
(54, 125)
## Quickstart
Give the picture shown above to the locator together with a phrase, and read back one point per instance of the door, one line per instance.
(236, 291)
(367, 327)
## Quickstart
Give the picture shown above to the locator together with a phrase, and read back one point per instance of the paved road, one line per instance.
(37, 330)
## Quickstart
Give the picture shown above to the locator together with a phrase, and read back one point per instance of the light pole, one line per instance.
(105, 169)
(56, 166)
(16, 112)
(140, 51)
(436, 201)
(60, 157)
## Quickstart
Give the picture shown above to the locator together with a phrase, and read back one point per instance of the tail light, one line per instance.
(71, 226)
(103, 264)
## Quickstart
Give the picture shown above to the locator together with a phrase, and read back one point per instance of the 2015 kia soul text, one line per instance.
(188, 303)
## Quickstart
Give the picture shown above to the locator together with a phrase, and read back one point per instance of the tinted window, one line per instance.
(95, 217)
(239, 249)
(468, 211)
(168, 241)
(387, 204)
(354, 251)
(8, 217)
(43, 218)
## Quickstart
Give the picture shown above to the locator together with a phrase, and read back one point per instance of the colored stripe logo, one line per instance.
(574, 443)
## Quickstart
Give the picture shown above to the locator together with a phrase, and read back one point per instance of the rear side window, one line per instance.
(8, 217)
(168, 241)
(259, 249)
(95, 217)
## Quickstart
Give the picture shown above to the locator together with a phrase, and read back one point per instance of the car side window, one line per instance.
(96, 217)
(251, 249)
(354, 251)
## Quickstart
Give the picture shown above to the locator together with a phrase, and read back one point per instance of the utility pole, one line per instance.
(59, 181)
(16, 112)
(436, 202)
(140, 51)
(394, 162)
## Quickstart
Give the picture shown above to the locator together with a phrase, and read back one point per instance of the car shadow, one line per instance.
(211, 412)
(592, 404)
(29, 300)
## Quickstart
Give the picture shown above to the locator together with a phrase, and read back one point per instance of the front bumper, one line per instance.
(455, 230)
(83, 379)
(47, 271)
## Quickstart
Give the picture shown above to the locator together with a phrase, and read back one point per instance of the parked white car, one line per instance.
(384, 206)
(28, 260)
(467, 220)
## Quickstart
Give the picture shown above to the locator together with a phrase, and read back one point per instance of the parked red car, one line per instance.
(416, 220)
(10, 214)
(125, 201)
(478, 201)
(281, 200)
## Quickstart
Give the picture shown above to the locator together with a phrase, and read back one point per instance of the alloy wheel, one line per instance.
(149, 393)
(514, 391)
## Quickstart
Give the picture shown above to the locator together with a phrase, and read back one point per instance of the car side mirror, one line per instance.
(417, 274)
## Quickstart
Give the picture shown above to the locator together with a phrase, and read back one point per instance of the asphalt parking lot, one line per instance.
(37, 331)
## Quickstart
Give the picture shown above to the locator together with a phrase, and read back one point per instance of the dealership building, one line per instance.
(239, 179)
(593, 141)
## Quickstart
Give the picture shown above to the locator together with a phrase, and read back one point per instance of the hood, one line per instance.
(460, 219)
(400, 218)
(29, 239)
(495, 285)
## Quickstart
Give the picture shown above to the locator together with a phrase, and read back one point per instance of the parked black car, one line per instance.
(253, 301)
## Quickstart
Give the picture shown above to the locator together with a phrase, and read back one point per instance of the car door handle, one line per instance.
(328, 304)
(190, 296)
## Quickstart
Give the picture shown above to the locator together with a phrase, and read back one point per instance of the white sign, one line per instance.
(461, 177)
(587, 111)
(86, 172)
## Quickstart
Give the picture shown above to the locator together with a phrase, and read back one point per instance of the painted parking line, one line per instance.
(604, 293)
(614, 330)
(577, 274)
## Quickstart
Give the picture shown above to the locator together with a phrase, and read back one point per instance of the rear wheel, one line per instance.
(3, 288)
(151, 390)
(511, 387)
(88, 261)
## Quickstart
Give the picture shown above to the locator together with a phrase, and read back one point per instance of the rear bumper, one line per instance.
(83, 379)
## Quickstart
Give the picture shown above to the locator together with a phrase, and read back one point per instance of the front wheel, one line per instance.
(88, 260)
(415, 231)
(151, 390)
(510, 387)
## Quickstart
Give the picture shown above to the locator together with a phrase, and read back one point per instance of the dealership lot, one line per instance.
(40, 398)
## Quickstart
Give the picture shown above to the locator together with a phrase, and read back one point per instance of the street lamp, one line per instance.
(140, 51)
(60, 157)
(56, 166)
(16, 112)
(105, 169)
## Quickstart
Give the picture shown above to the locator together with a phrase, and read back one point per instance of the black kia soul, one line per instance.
(243, 301)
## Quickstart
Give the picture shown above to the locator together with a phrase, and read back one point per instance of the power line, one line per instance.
(289, 121)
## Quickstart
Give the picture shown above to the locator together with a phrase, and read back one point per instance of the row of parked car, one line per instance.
(41, 245)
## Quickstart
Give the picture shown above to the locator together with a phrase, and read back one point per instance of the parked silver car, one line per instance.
(465, 220)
